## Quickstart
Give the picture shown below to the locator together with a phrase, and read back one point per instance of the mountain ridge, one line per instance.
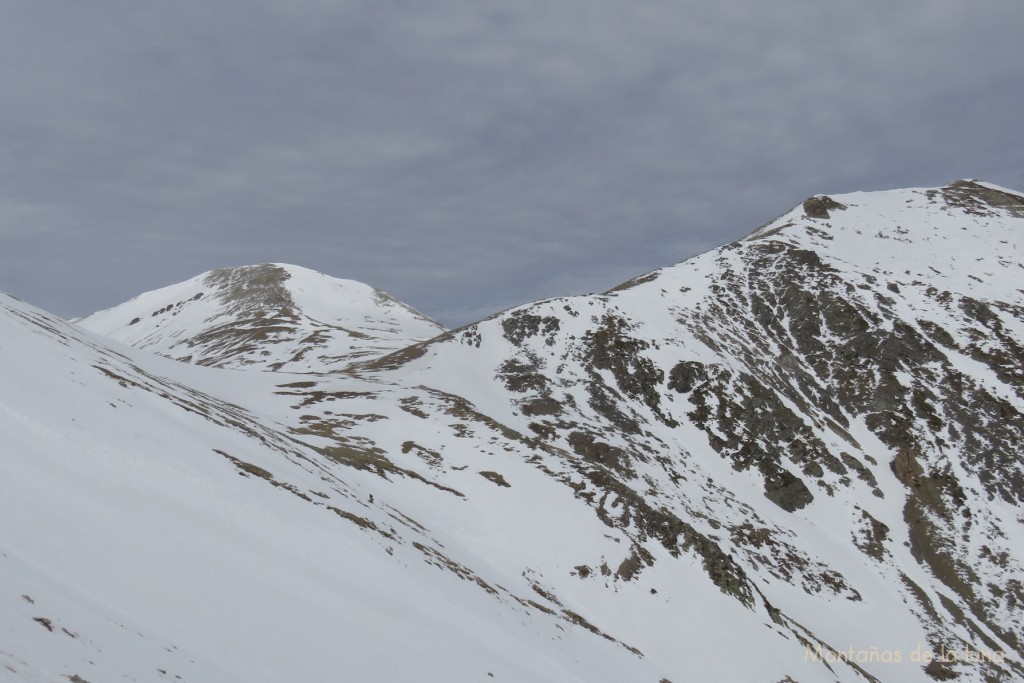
(803, 446)
(955, 367)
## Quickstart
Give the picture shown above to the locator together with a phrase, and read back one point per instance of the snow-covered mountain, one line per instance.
(272, 316)
(150, 531)
(795, 457)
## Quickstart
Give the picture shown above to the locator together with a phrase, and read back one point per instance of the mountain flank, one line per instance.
(793, 457)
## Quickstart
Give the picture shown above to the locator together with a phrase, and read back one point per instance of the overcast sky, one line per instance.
(467, 156)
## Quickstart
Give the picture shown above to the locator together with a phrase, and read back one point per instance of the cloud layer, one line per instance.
(468, 156)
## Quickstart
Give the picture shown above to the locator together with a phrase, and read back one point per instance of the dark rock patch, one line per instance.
(520, 326)
(819, 206)
(496, 478)
(787, 491)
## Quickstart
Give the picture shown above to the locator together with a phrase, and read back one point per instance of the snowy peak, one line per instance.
(961, 237)
(804, 445)
(269, 316)
(831, 408)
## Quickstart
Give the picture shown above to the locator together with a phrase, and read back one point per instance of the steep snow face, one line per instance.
(827, 416)
(272, 317)
(795, 457)
(150, 531)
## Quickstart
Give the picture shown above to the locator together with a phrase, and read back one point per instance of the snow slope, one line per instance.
(272, 316)
(795, 457)
(828, 415)
(141, 539)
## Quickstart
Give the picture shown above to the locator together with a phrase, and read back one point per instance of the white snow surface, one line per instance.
(362, 516)
(148, 553)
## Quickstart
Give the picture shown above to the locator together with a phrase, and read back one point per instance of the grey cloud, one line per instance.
(469, 156)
